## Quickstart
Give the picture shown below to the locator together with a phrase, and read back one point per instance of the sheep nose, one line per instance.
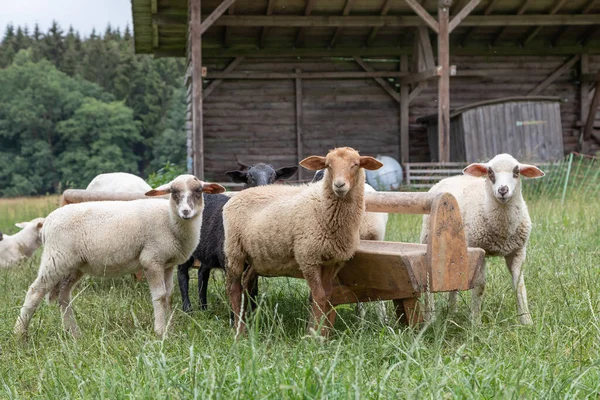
(503, 190)
(185, 212)
(339, 185)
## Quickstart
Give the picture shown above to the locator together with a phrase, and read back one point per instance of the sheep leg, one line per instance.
(514, 262)
(35, 294)
(203, 278)
(183, 277)
(169, 287)
(233, 275)
(156, 281)
(477, 294)
(64, 301)
(320, 282)
(250, 286)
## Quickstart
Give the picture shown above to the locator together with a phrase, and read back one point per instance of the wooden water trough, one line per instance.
(390, 270)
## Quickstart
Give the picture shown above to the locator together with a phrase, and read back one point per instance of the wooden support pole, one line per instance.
(208, 22)
(299, 149)
(591, 117)
(213, 85)
(384, 85)
(554, 75)
(404, 114)
(444, 81)
(196, 50)
(421, 12)
(462, 14)
(584, 90)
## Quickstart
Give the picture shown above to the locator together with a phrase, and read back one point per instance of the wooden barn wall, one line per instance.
(254, 120)
(594, 67)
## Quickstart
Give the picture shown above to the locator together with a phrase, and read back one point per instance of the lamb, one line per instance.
(118, 182)
(210, 248)
(114, 238)
(307, 231)
(495, 218)
(17, 247)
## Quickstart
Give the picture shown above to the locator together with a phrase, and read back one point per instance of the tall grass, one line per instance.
(119, 356)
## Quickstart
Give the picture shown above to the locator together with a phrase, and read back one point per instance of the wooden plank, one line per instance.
(310, 75)
(584, 90)
(263, 32)
(299, 123)
(421, 12)
(300, 34)
(466, 10)
(503, 29)
(591, 117)
(533, 32)
(426, 49)
(384, 10)
(196, 50)
(384, 85)
(208, 22)
(417, 90)
(404, 115)
(444, 84)
(554, 75)
(213, 85)
(345, 12)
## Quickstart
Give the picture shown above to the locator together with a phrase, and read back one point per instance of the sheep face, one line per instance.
(503, 174)
(33, 225)
(260, 174)
(1, 236)
(343, 166)
(186, 194)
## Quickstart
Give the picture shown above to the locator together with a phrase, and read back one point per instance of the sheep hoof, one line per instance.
(20, 331)
(525, 319)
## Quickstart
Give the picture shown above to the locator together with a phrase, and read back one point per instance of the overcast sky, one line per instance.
(84, 15)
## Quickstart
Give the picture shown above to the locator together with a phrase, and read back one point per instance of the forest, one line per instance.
(72, 107)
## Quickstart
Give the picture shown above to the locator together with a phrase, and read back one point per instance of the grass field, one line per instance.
(119, 356)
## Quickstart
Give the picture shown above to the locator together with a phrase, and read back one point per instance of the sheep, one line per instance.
(495, 219)
(114, 238)
(210, 248)
(373, 227)
(297, 231)
(15, 248)
(118, 182)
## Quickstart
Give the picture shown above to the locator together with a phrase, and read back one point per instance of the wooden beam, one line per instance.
(586, 9)
(300, 34)
(197, 111)
(534, 31)
(345, 12)
(420, 76)
(299, 149)
(520, 11)
(384, 85)
(426, 48)
(416, 91)
(466, 10)
(591, 117)
(463, 41)
(306, 75)
(384, 10)
(208, 22)
(444, 83)
(404, 114)
(421, 12)
(213, 85)
(155, 41)
(554, 75)
(584, 97)
(263, 31)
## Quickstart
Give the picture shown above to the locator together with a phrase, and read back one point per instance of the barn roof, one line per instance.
(366, 27)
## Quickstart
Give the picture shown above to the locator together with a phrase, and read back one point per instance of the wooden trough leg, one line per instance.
(408, 311)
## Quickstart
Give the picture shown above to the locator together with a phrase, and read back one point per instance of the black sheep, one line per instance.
(210, 249)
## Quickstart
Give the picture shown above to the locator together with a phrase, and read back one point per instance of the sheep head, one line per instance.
(186, 194)
(503, 173)
(343, 166)
(260, 174)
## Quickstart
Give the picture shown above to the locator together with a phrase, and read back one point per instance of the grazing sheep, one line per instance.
(210, 248)
(119, 182)
(373, 227)
(21, 245)
(297, 231)
(495, 218)
(114, 238)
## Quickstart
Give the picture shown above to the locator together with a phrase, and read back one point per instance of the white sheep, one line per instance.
(307, 231)
(21, 245)
(119, 182)
(495, 219)
(114, 238)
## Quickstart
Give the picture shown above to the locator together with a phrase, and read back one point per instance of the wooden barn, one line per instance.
(278, 80)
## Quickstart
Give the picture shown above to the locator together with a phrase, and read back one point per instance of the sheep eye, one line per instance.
(516, 171)
(491, 175)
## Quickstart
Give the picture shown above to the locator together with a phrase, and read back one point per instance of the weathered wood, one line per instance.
(299, 154)
(213, 85)
(444, 84)
(554, 75)
(466, 10)
(591, 116)
(300, 34)
(502, 30)
(218, 12)
(263, 31)
(404, 114)
(408, 311)
(534, 31)
(72, 196)
(426, 48)
(384, 10)
(304, 75)
(384, 85)
(420, 76)
(584, 89)
(345, 12)
(197, 106)
(421, 12)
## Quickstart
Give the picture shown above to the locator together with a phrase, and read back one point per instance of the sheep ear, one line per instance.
(160, 191)
(21, 225)
(285, 172)
(370, 163)
(40, 224)
(313, 163)
(237, 176)
(212, 188)
(477, 170)
(530, 171)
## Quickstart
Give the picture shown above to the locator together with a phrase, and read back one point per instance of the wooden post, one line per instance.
(584, 99)
(444, 81)
(404, 115)
(196, 49)
(591, 116)
(299, 122)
